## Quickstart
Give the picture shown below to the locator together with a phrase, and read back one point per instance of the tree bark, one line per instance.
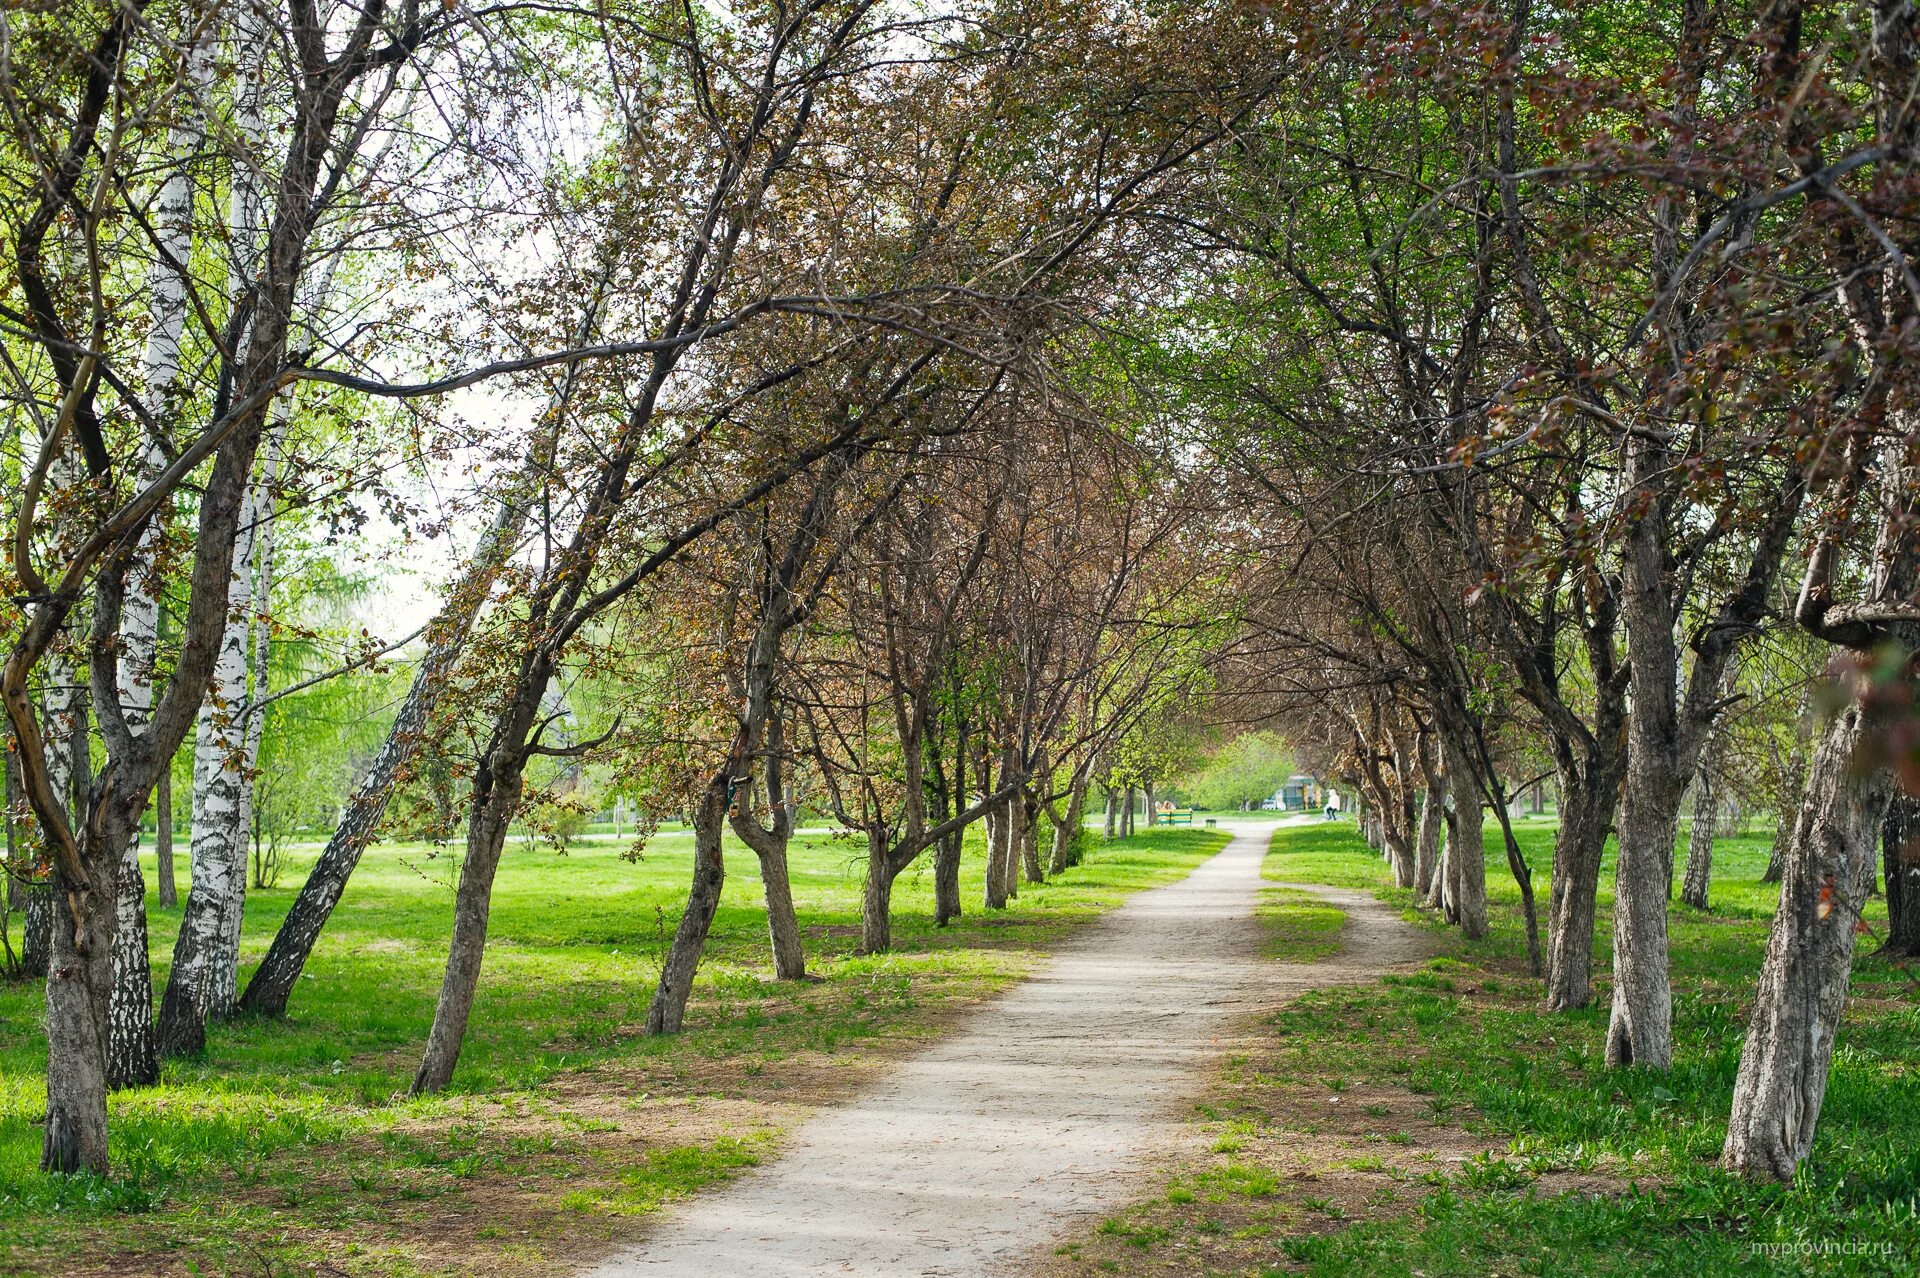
(946, 880)
(1466, 844)
(1579, 849)
(876, 898)
(1900, 853)
(1066, 834)
(1029, 805)
(133, 1058)
(1153, 815)
(472, 905)
(1640, 1031)
(783, 923)
(1426, 852)
(1113, 812)
(79, 985)
(1706, 806)
(1803, 982)
(1001, 852)
(668, 1010)
(769, 843)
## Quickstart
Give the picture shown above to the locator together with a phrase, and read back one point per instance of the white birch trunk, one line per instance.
(131, 1058)
(196, 990)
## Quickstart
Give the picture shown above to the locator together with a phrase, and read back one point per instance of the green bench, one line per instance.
(1179, 816)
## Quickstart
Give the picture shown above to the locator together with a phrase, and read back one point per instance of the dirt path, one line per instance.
(1046, 1110)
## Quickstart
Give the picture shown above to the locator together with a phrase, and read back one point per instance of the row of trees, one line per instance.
(762, 381)
(916, 416)
(1567, 364)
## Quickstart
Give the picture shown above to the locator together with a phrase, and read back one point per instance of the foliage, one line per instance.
(1245, 770)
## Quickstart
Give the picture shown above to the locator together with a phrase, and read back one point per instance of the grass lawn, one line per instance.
(291, 1144)
(1441, 1123)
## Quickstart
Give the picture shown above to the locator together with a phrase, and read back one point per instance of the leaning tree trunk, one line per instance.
(1706, 808)
(668, 1011)
(1466, 845)
(472, 905)
(1803, 983)
(274, 980)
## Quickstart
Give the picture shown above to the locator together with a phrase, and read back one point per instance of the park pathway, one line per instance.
(1050, 1107)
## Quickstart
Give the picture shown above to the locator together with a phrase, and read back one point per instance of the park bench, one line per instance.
(1180, 816)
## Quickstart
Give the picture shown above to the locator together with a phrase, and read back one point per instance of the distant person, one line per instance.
(1333, 804)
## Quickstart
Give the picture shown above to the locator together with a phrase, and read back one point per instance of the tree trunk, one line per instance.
(668, 1010)
(79, 988)
(1113, 812)
(273, 982)
(1466, 844)
(1066, 834)
(876, 898)
(1803, 983)
(1523, 879)
(1426, 851)
(1579, 848)
(1153, 814)
(946, 879)
(200, 982)
(783, 923)
(133, 1058)
(1640, 1031)
(1396, 833)
(1126, 815)
(1706, 806)
(1029, 805)
(472, 906)
(1436, 894)
(1000, 853)
(1900, 853)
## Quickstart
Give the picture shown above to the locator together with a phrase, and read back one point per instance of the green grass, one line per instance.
(1300, 927)
(302, 1125)
(1469, 1034)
